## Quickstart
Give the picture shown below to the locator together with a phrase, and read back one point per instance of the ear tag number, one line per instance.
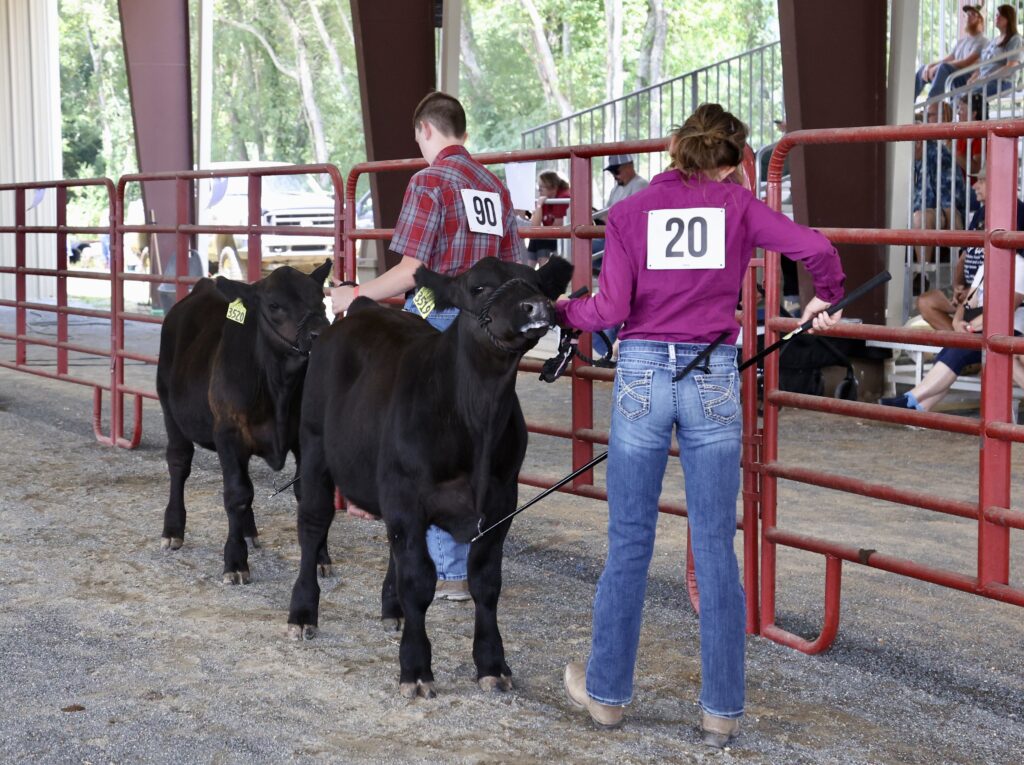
(483, 211)
(691, 238)
(424, 301)
(236, 311)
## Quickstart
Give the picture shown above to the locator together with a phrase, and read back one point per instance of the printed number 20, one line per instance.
(698, 231)
(485, 212)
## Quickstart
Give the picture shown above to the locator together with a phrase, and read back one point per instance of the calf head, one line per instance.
(286, 307)
(507, 303)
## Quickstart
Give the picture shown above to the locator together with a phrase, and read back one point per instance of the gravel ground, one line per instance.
(112, 650)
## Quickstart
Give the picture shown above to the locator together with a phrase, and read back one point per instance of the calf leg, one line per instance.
(484, 568)
(390, 607)
(238, 494)
(323, 557)
(316, 512)
(179, 464)
(416, 577)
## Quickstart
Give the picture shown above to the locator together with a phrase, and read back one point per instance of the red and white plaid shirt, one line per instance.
(433, 226)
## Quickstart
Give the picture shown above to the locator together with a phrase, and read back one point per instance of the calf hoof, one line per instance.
(301, 631)
(254, 541)
(237, 577)
(490, 683)
(392, 624)
(419, 688)
(324, 570)
(171, 543)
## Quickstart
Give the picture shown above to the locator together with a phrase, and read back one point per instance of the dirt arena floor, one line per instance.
(115, 651)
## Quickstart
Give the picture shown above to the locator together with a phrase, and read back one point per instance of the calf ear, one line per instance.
(445, 288)
(233, 290)
(321, 273)
(555, 276)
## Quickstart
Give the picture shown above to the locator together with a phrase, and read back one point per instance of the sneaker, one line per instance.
(717, 731)
(605, 715)
(900, 402)
(452, 589)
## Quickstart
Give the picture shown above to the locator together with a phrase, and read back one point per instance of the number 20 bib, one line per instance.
(691, 238)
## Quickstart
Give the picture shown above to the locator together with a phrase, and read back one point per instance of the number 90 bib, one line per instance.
(692, 238)
(483, 211)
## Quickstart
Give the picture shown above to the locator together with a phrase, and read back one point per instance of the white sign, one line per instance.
(483, 211)
(521, 179)
(692, 238)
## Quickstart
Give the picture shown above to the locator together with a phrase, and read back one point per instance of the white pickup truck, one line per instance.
(286, 200)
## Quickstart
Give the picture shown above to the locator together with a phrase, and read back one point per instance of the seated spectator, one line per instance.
(627, 183)
(965, 53)
(950, 362)
(967, 317)
(939, 196)
(1006, 22)
(967, 152)
(550, 185)
(935, 306)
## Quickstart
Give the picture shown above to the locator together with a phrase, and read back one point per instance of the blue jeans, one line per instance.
(448, 555)
(705, 411)
(938, 81)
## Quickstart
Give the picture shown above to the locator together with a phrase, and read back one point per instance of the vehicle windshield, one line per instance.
(277, 184)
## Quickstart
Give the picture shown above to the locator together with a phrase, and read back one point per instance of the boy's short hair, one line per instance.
(442, 111)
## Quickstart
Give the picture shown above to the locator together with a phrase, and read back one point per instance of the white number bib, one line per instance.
(483, 211)
(693, 238)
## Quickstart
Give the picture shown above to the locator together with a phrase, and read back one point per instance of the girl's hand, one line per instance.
(816, 310)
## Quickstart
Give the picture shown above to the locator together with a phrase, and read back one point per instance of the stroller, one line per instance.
(802, 359)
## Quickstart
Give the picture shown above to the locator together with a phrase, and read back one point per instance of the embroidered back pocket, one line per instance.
(633, 392)
(718, 396)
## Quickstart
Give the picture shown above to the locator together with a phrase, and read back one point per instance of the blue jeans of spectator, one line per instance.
(448, 555)
(704, 410)
(997, 86)
(938, 81)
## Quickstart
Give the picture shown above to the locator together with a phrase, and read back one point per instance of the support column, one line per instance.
(156, 54)
(899, 156)
(833, 65)
(395, 56)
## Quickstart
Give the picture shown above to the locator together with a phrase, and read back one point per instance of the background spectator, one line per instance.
(1006, 22)
(550, 185)
(965, 53)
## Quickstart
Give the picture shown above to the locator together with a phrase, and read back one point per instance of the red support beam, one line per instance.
(833, 68)
(156, 54)
(395, 57)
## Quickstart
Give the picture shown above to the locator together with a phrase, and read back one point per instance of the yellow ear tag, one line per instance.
(236, 311)
(424, 301)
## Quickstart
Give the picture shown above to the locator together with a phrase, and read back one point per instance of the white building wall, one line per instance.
(30, 130)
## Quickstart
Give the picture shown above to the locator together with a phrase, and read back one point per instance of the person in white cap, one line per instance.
(627, 182)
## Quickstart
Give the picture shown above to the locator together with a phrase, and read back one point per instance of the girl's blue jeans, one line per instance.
(704, 410)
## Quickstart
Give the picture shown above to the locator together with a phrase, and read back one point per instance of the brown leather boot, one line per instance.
(605, 715)
(719, 732)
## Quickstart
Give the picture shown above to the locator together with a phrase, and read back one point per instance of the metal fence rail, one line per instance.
(995, 430)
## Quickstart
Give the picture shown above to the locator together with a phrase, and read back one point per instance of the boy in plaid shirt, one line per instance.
(455, 212)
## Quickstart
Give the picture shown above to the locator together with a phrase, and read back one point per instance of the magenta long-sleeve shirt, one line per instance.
(692, 306)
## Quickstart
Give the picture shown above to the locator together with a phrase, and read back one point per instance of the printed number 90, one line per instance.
(696, 237)
(485, 212)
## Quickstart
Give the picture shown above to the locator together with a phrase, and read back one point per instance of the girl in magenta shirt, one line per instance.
(675, 256)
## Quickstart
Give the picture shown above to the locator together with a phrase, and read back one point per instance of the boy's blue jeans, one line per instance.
(704, 410)
(448, 555)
